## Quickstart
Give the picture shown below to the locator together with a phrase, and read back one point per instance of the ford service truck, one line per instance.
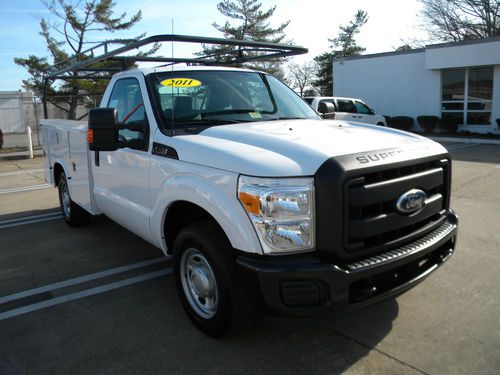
(259, 200)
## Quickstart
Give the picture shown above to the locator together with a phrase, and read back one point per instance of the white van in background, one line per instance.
(347, 109)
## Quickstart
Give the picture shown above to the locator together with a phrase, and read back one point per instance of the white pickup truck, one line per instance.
(259, 201)
(347, 109)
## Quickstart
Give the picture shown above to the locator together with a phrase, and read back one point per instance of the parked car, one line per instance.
(347, 109)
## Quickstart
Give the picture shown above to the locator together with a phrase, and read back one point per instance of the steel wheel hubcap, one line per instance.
(198, 283)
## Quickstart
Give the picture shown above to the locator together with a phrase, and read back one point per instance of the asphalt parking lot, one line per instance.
(98, 299)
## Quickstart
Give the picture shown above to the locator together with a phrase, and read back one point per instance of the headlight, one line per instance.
(281, 210)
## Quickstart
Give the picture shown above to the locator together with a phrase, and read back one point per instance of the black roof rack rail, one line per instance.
(259, 50)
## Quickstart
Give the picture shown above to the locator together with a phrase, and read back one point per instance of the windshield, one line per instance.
(193, 100)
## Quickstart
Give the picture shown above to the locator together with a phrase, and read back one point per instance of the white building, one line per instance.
(458, 81)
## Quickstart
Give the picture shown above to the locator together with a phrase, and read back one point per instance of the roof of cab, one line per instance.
(183, 68)
(331, 97)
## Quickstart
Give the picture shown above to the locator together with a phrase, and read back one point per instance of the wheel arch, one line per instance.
(187, 199)
(179, 215)
(58, 170)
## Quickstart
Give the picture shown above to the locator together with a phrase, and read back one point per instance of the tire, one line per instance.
(73, 214)
(381, 124)
(207, 282)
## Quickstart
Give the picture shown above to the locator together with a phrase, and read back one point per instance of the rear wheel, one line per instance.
(73, 214)
(207, 282)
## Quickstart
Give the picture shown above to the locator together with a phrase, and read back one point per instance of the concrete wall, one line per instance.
(393, 85)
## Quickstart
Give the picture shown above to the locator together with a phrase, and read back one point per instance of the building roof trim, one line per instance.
(419, 50)
(464, 42)
(380, 54)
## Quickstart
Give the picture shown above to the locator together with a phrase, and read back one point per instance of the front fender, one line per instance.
(217, 197)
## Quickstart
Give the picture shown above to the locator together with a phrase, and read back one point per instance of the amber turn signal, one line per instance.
(250, 202)
(90, 136)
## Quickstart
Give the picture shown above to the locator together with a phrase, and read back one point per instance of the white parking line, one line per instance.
(80, 280)
(455, 144)
(29, 219)
(82, 294)
(24, 188)
(23, 171)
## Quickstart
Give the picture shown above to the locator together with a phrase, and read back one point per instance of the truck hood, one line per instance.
(294, 147)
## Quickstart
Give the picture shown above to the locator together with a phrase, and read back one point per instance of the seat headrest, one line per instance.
(183, 103)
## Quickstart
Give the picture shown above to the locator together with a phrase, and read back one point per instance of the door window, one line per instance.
(127, 99)
(346, 106)
(362, 108)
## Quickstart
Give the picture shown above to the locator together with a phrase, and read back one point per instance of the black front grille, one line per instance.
(371, 219)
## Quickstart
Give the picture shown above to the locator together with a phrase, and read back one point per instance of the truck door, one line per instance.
(363, 113)
(121, 186)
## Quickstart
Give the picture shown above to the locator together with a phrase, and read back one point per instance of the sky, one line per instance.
(312, 22)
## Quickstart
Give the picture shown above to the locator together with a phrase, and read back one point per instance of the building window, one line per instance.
(467, 95)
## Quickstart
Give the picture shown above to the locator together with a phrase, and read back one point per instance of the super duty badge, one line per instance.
(363, 159)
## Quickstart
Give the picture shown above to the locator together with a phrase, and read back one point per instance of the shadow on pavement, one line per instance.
(26, 214)
(477, 153)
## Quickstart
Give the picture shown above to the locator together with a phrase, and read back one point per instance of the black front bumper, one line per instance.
(304, 285)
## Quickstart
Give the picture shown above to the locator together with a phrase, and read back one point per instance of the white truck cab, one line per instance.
(262, 204)
(348, 109)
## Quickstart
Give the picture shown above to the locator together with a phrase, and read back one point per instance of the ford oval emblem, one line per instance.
(411, 201)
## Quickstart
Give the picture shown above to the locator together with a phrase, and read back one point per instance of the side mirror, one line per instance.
(327, 110)
(102, 134)
(325, 107)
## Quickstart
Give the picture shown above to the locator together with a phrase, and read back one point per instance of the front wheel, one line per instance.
(72, 213)
(207, 282)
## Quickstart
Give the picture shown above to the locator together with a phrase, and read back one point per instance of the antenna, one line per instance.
(172, 40)
(172, 76)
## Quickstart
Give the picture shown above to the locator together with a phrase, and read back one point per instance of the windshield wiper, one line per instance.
(285, 118)
(209, 122)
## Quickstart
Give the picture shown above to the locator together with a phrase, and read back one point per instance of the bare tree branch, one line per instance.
(455, 20)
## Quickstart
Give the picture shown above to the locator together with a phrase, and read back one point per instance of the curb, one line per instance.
(20, 155)
(467, 140)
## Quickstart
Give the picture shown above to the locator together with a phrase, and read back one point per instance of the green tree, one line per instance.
(324, 76)
(343, 45)
(456, 20)
(252, 24)
(72, 21)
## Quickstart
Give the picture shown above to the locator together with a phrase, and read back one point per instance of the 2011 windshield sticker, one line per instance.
(181, 82)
